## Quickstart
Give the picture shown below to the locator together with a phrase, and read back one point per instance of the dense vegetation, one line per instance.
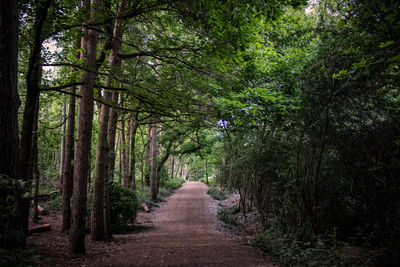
(294, 106)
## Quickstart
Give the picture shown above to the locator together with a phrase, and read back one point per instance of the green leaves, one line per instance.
(386, 44)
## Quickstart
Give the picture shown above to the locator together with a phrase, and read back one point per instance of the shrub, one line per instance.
(228, 215)
(163, 193)
(143, 194)
(18, 257)
(216, 193)
(123, 209)
(293, 252)
(173, 184)
(211, 181)
(54, 205)
(11, 191)
(124, 205)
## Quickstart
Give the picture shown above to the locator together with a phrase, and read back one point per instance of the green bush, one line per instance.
(123, 209)
(228, 215)
(173, 184)
(124, 206)
(54, 205)
(143, 194)
(321, 252)
(216, 193)
(11, 191)
(211, 181)
(164, 192)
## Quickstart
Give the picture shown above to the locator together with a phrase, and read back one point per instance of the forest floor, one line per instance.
(183, 231)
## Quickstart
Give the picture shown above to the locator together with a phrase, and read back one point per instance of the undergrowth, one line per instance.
(211, 181)
(228, 215)
(18, 257)
(217, 193)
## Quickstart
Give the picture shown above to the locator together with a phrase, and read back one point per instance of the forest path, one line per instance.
(183, 234)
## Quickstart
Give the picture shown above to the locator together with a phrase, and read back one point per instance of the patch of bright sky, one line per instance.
(50, 45)
(311, 5)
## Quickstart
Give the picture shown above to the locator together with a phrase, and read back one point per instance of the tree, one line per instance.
(9, 103)
(153, 173)
(100, 203)
(84, 133)
(33, 77)
(68, 167)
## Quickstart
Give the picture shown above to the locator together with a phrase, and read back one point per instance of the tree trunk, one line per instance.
(172, 166)
(115, 63)
(62, 146)
(100, 173)
(25, 167)
(9, 103)
(122, 153)
(9, 99)
(127, 150)
(112, 125)
(132, 175)
(153, 174)
(84, 134)
(36, 175)
(69, 155)
(147, 161)
(206, 171)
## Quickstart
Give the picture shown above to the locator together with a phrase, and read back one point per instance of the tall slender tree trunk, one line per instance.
(153, 174)
(142, 160)
(172, 166)
(206, 170)
(84, 134)
(115, 62)
(35, 170)
(68, 167)
(132, 174)
(147, 161)
(122, 152)
(25, 166)
(100, 173)
(62, 146)
(112, 126)
(127, 150)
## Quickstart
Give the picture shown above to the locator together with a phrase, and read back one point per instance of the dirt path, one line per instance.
(183, 234)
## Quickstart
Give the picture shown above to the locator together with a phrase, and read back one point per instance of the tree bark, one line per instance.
(122, 153)
(100, 172)
(112, 125)
(84, 134)
(25, 166)
(127, 150)
(153, 174)
(9, 99)
(9, 103)
(147, 161)
(69, 155)
(206, 170)
(172, 166)
(36, 175)
(115, 62)
(63, 140)
(132, 175)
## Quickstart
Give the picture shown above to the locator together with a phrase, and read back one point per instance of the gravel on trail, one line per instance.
(182, 231)
(184, 234)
